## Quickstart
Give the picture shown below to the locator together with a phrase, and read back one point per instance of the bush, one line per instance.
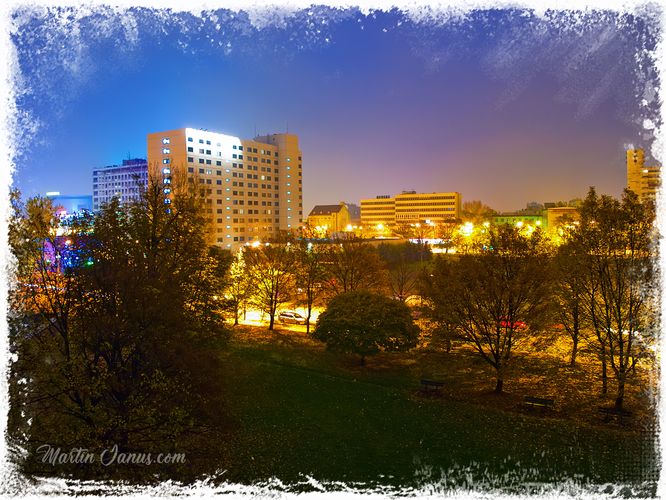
(366, 323)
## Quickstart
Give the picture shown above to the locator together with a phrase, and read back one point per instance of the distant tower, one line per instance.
(642, 180)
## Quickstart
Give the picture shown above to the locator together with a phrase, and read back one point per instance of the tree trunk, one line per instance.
(604, 375)
(619, 400)
(574, 351)
(499, 385)
(362, 359)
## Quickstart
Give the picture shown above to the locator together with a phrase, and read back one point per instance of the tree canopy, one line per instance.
(365, 323)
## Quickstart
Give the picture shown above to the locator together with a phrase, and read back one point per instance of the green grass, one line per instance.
(302, 411)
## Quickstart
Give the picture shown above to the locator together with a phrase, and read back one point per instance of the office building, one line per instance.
(253, 188)
(410, 207)
(126, 182)
(642, 180)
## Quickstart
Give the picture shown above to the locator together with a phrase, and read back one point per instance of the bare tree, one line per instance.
(353, 265)
(617, 238)
(497, 299)
(311, 274)
(271, 272)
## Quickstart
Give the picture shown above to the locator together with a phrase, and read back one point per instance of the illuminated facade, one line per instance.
(125, 182)
(329, 219)
(253, 187)
(642, 180)
(410, 207)
(70, 204)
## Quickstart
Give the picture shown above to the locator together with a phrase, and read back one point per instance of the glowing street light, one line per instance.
(467, 229)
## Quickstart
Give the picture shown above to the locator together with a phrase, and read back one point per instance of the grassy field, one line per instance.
(301, 411)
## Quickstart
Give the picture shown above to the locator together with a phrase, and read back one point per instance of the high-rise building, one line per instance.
(125, 182)
(253, 188)
(642, 180)
(410, 207)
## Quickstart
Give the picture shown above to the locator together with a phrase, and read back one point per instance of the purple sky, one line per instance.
(502, 106)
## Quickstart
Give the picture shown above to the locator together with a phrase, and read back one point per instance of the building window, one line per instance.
(166, 151)
(189, 139)
(166, 140)
(190, 159)
(200, 141)
(201, 160)
(166, 170)
(208, 142)
(190, 149)
(208, 151)
(166, 161)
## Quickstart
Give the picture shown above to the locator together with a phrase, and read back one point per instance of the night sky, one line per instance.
(502, 106)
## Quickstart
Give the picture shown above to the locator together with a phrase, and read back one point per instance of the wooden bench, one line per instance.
(614, 412)
(531, 402)
(428, 385)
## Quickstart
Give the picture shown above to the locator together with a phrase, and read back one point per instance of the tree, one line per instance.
(496, 299)
(127, 354)
(353, 265)
(570, 293)
(404, 263)
(311, 273)
(476, 212)
(365, 323)
(271, 270)
(617, 238)
(239, 286)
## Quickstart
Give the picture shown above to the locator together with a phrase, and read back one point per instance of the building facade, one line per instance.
(329, 219)
(410, 207)
(253, 188)
(126, 182)
(520, 219)
(642, 180)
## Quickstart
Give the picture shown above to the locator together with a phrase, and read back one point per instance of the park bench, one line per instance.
(531, 402)
(428, 385)
(614, 412)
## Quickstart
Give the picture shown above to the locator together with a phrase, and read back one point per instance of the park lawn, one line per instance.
(301, 411)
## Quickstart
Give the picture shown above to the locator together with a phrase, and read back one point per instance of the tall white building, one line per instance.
(253, 187)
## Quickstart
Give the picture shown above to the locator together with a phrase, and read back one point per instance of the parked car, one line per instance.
(291, 317)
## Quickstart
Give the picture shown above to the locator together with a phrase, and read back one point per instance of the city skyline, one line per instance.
(501, 106)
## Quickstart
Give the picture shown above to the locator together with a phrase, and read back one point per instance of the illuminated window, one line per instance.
(166, 151)
(166, 161)
(166, 170)
(166, 140)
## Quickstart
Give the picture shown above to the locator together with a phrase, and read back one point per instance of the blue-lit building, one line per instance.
(125, 182)
(71, 204)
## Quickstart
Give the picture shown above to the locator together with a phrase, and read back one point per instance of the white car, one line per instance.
(291, 317)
